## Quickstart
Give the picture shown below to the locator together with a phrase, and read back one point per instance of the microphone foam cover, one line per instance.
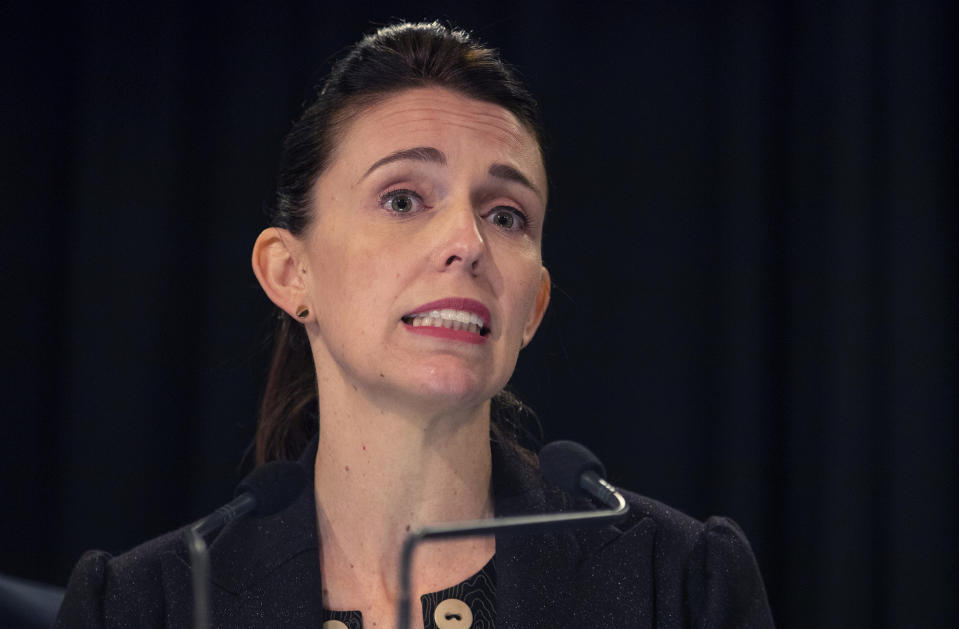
(274, 485)
(564, 462)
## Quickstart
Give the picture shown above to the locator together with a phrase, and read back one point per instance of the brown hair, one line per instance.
(393, 58)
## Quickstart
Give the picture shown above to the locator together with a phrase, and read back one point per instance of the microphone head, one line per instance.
(564, 462)
(274, 486)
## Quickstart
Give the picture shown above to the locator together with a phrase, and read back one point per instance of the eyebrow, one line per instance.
(436, 156)
(502, 171)
(419, 153)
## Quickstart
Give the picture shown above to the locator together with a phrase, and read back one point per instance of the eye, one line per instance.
(507, 218)
(401, 201)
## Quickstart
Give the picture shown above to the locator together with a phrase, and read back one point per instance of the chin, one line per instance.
(454, 388)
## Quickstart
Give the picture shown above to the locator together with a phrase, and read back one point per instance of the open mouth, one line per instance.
(450, 319)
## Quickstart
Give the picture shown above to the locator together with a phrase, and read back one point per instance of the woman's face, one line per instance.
(423, 263)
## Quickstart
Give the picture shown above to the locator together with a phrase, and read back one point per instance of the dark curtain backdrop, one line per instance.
(752, 232)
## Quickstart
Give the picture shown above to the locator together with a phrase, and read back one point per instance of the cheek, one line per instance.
(527, 290)
(354, 277)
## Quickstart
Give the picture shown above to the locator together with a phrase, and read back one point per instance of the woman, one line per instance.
(405, 255)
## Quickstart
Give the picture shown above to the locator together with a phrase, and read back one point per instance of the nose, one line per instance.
(460, 242)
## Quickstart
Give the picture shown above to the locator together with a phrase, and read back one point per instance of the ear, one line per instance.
(276, 257)
(539, 308)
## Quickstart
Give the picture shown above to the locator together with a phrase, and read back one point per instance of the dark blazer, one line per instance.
(659, 569)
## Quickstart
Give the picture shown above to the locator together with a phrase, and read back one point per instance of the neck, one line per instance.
(379, 475)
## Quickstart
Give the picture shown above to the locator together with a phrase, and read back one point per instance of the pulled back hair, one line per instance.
(392, 59)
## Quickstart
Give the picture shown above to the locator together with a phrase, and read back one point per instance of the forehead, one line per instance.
(429, 116)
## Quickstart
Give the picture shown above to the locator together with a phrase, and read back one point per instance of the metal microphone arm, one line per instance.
(594, 486)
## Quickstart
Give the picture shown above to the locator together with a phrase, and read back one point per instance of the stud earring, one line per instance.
(303, 312)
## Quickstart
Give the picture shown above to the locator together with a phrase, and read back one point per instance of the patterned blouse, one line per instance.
(467, 605)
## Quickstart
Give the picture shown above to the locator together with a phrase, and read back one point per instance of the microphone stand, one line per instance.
(200, 567)
(265, 491)
(200, 558)
(516, 525)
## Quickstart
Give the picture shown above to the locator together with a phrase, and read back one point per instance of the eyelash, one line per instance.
(392, 194)
(524, 220)
(519, 215)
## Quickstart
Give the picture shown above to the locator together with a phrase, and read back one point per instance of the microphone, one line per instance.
(566, 464)
(266, 490)
(572, 468)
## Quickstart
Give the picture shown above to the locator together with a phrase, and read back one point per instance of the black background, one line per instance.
(752, 234)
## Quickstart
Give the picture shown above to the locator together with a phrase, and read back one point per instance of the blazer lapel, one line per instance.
(533, 572)
(547, 579)
(265, 571)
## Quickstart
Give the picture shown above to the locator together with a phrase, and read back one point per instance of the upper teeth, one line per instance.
(448, 314)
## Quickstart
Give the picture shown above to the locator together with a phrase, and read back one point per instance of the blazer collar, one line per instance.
(250, 549)
(535, 573)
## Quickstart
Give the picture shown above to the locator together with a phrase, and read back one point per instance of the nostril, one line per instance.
(450, 260)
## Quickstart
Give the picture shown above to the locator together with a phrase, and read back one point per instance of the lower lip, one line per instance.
(447, 333)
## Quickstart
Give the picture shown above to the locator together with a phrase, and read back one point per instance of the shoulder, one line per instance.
(101, 586)
(659, 567)
(257, 565)
(704, 571)
(681, 533)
